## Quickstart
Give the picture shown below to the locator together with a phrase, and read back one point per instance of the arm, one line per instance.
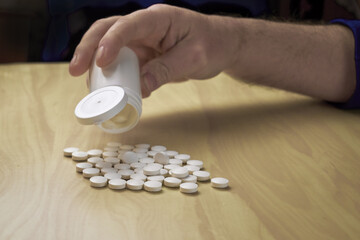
(175, 44)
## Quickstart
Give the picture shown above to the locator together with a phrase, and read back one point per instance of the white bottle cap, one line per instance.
(101, 105)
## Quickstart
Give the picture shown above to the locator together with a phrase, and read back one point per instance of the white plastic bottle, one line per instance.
(114, 102)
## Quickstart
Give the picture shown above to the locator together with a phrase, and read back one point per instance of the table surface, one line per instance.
(293, 163)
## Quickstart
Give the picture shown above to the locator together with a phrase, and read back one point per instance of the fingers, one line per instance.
(88, 44)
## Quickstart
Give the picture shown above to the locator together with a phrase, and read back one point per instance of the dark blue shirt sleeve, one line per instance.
(354, 101)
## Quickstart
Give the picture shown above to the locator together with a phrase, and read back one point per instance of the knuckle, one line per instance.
(199, 55)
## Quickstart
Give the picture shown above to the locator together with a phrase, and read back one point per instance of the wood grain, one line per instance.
(293, 163)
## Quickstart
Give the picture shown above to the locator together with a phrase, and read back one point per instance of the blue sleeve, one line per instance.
(354, 25)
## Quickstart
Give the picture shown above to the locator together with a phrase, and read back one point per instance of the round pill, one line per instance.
(188, 187)
(170, 167)
(179, 172)
(90, 172)
(197, 163)
(219, 182)
(126, 147)
(112, 175)
(190, 178)
(94, 153)
(156, 164)
(108, 170)
(98, 181)
(152, 153)
(112, 160)
(175, 161)
(183, 157)
(134, 184)
(137, 165)
(192, 168)
(117, 184)
(138, 176)
(163, 172)
(143, 145)
(81, 166)
(202, 175)
(113, 144)
(152, 186)
(126, 173)
(172, 182)
(156, 178)
(109, 154)
(95, 160)
(111, 149)
(68, 151)
(103, 165)
(161, 158)
(140, 150)
(171, 153)
(151, 170)
(147, 160)
(158, 148)
(141, 155)
(129, 157)
(139, 170)
(79, 156)
(122, 166)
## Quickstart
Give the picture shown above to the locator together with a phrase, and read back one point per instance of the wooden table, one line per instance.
(293, 163)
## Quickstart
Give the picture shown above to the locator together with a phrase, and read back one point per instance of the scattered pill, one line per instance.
(188, 187)
(171, 153)
(108, 170)
(179, 172)
(190, 178)
(112, 160)
(143, 145)
(127, 147)
(134, 184)
(137, 165)
(197, 163)
(171, 166)
(202, 175)
(158, 148)
(117, 184)
(95, 160)
(122, 166)
(152, 186)
(140, 150)
(183, 157)
(175, 161)
(79, 156)
(98, 181)
(158, 178)
(129, 157)
(219, 182)
(138, 176)
(161, 158)
(90, 172)
(163, 172)
(94, 153)
(81, 166)
(126, 173)
(141, 155)
(172, 182)
(151, 170)
(192, 168)
(112, 175)
(138, 170)
(103, 165)
(68, 151)
(109, 154)
(146, 160)
(152, 153)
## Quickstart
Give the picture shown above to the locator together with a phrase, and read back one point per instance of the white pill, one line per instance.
(183, 157)
(202, 175)
(113, 144)
(112, 160)
(140, 150)
(98, 181)
(152, 153)
(179, 172)
(170, 167)
(111, 149)
(103, 165)
(188, 187)
(121, 153)
(151, 170)
(109, 154)
(134, 184)
(129, 157)
(152, 186)
(90, 172)
(161, 158)
(158, 148)
(141, 155)
(68, 151)
(143, 145)
(147, 160)
(126, 173)
(172, 182)
(112, 175)
(81, 166)
(138, 176)
(175, 161)
(117, 184)
(122, 166)
(171, 153)
(219, 182)
(94, 153)
(163, 172)
(127, 147)
(95, 160)
(137, 165)
(156, 164)
(192, 168)
(190, 178)
(79, 156)
(156, 178)
(139, 170)
(197, 163)
(108, 170)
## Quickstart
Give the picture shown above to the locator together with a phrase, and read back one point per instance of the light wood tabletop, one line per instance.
(293, 163)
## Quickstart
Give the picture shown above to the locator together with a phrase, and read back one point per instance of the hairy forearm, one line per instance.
(316, 60)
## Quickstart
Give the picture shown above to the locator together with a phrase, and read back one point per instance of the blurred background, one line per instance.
(49, 30)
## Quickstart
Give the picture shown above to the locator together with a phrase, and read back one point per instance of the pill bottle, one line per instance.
(114, 103)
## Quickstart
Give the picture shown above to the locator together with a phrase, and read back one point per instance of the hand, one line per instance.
(173, 44)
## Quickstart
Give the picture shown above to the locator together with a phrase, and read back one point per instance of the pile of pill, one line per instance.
(141, 166)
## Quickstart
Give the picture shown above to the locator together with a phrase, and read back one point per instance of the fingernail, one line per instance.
(74, 59)
(150, 81)
(100, 53)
